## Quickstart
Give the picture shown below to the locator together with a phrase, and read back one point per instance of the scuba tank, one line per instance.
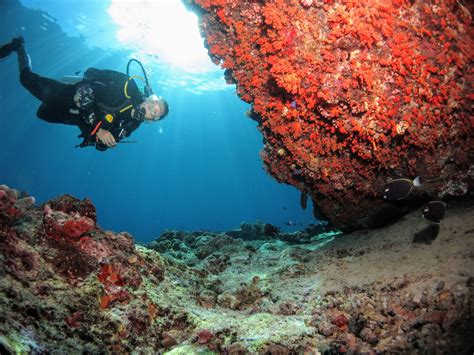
(101, 75)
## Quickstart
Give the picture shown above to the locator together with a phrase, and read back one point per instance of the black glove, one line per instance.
(100, 146)
(90, 141)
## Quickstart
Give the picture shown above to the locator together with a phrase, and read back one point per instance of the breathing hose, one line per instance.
(148, 91)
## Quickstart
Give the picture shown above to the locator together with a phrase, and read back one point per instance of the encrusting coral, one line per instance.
(67, 286)
(350, 94)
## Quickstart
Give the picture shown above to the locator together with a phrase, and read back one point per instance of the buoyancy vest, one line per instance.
(113, 90)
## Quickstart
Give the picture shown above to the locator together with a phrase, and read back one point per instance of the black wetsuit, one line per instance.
(92, 103)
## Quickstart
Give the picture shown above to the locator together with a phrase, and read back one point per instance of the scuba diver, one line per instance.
(106, 105)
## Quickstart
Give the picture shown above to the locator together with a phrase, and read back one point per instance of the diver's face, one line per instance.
(153, 111)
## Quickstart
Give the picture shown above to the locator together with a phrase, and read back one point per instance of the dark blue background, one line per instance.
(202, 172)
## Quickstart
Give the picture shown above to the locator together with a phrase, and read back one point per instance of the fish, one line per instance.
(290, 223)
(398, 189)
(304, 199)
(270, 230)
(434, 211)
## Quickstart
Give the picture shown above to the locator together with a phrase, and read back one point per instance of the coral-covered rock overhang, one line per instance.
(350, 94)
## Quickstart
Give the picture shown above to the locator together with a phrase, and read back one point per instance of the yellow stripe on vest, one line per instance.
(125, 88)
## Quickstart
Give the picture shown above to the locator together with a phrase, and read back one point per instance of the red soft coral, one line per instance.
(378, 87)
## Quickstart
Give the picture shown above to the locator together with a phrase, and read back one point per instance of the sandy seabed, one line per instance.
(68, 286)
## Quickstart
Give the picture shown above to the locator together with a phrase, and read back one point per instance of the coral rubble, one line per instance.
(67, 286)
(350, 94)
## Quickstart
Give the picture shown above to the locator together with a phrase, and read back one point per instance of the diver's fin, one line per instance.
(397, 189)
(434, 211)
(8, 48)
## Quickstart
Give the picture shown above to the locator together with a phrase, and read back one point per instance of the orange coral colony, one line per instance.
(349, 94)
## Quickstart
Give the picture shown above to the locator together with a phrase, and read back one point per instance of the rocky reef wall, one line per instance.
(350, 94)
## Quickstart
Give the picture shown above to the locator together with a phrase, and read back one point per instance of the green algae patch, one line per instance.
(19, 344)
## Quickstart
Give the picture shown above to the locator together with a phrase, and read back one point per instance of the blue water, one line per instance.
(197, 169)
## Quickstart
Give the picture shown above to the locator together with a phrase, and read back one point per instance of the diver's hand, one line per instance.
(106, 137)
